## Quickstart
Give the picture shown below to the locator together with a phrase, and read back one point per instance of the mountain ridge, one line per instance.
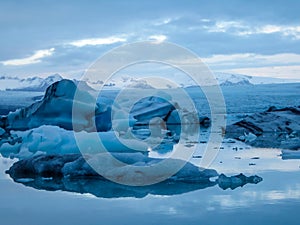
(38, 84)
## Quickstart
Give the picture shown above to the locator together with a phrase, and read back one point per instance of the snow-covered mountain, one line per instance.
(121, 82)
(228, 79)
(28, 84)
(224, 79)
(41, 84)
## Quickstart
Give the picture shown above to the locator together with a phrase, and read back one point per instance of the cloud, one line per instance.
(241, 28)
(98, 41)
(286, 65)
(166, 20)
(35, 58)
(258, 59)
(158, 38)
(285, 72)
(225, 26)
(162, 22)
(293, 31)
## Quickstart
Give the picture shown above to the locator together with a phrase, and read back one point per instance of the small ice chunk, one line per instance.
(2, 131)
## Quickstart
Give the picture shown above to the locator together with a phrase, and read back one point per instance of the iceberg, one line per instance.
(56, 109)
(8, 139)
(147, 108)
(71, 173)
(56, 140)
(76, 165)
(240, 180)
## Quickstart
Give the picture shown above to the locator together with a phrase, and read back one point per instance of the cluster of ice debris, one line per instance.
(274, 128)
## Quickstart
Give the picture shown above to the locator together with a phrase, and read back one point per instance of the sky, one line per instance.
(257, 37)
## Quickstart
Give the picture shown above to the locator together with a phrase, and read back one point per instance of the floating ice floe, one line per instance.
(240, 180)
(274, 128)
(290, 154)
(72, 173)
(75, 165)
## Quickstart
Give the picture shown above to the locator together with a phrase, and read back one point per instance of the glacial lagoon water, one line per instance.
(275, 200)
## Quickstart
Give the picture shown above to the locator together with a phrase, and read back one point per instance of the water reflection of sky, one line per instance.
(238, 157)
